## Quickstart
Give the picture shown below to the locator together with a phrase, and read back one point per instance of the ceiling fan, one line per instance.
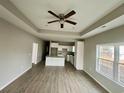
(63, 18)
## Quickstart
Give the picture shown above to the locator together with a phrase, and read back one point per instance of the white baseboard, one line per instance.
(14, 78)
(98, 82)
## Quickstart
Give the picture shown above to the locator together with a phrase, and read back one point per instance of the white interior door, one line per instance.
(34, 53)
(79, 55)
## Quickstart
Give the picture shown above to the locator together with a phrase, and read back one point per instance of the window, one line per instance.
(110, 62)
(105, 59)
(121, 64)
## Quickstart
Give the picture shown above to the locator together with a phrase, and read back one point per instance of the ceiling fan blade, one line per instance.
(53, 14)
(71, 22)
(70, 14)
(53, 21)
(62, 25)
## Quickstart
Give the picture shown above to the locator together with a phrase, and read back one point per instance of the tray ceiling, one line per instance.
(87, 12)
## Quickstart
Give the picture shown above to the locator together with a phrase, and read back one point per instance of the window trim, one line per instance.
(116, 63)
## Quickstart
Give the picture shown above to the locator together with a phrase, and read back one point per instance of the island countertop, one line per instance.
(55, 61)
(56, 56)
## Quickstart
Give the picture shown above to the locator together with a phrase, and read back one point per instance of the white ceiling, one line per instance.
(7, 15)
(87, 12)
(110, 25)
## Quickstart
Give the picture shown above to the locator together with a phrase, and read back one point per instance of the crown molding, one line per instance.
(109, 17)
(12, 8)
(45, 31)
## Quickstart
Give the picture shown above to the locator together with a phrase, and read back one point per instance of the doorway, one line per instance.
(54, 51)
(34, 53)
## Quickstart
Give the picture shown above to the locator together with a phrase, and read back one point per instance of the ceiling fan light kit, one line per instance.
(63, 18)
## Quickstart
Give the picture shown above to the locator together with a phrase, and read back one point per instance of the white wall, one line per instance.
(79, 55)
(111, 36)
(15, 52)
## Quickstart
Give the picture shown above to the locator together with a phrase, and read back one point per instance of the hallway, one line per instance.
(41, 79)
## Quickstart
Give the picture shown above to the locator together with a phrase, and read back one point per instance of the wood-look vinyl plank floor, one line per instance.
(41, 79)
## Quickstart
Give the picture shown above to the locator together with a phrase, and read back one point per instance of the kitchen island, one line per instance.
(55, 61)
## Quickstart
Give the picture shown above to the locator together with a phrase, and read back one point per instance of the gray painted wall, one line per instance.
(111, 36)
(15, 52)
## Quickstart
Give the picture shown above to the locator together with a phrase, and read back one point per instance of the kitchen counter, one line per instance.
(55, 61)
